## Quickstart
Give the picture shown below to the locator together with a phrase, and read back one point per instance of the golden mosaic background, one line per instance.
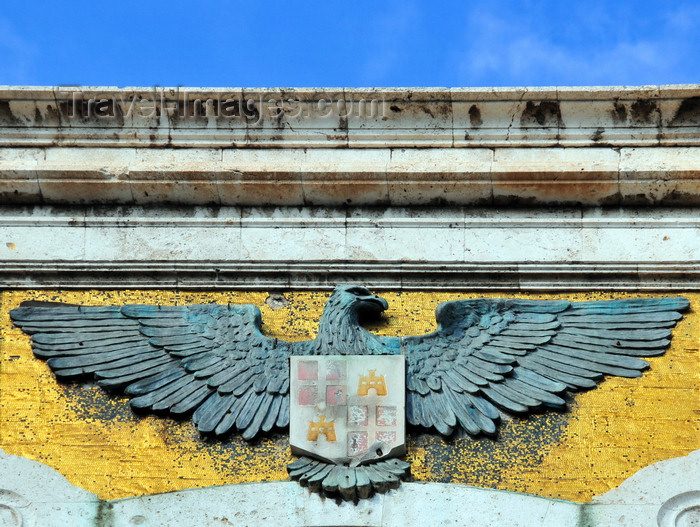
(95, 441)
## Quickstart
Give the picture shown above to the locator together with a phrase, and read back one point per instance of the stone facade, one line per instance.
(207, 186)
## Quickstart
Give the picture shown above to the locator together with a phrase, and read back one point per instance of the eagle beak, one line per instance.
(374, 303)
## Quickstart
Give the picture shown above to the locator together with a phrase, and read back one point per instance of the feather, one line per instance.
(176, 397)
(149, 399)
(277, 381)
(489, 366)
(469, 375)
(103, 366)
(74, 326)
(584, 364)
(617, 323)
(495, 347)
(265, 400)
(227, 374)
(465, 384)
(118, 382)
(538, 306)
(542, 396)
(174, 339)
(133, 368)
(493, 356)
(537, 380)
(191, 401)
(410, 413)
(613, 343)
(86, 359)
(153, 383)
(560, 363)
(634, 305)
(303, 470)
(466, 421)
(611, 359)
(524, 325)
(362, 483)
(442, 405)
(212, 412)
(537, 318)
(512, 331)
(167, 330)
(503, 401)
(71, 338)
(483, 406)
(472, 366)
(272, 414)
(419, 411)
(44, 352)
(229, 419)
(76, 344)
(421, 386)
(615, 334)
(248, 411)
(283, 418)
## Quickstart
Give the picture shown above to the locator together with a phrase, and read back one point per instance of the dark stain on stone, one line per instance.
(438, 201)
(688, 112)
(65, 108)
(611, 200)
(6, 114)
(619, 113)
(105, 514)
(395, 108)
(427, 110)
(53, 114)
(38, 118)
(467, 137)
(475, 116)
(597, 135)
(643, 109)
(546, 113)
(343, 118)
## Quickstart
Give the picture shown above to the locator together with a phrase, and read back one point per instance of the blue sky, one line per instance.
(391, 43)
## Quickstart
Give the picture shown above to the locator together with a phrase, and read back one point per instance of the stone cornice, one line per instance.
(590, 146)
(349, 118)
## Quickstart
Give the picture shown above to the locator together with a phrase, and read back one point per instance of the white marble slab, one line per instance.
(666, 494)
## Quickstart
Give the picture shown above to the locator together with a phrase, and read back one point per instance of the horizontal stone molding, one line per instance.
(324, 177)
(209, 275)
(395, 247)
(355, 118)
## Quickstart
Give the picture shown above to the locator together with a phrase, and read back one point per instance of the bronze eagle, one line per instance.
(487, 356)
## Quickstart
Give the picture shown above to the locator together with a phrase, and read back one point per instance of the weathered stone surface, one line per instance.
(666, 494)
(34, 495)
(383, 247)
(350, 147)
(663, 495)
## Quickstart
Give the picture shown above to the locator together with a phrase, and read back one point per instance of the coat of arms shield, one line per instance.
(347, 409)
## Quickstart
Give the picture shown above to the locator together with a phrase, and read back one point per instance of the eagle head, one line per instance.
(340, 330)
(353, 299)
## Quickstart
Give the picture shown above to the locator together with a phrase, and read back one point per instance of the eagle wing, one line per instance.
(517, 355)
(208, 360)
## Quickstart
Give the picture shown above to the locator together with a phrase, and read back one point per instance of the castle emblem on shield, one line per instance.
(347, 409)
